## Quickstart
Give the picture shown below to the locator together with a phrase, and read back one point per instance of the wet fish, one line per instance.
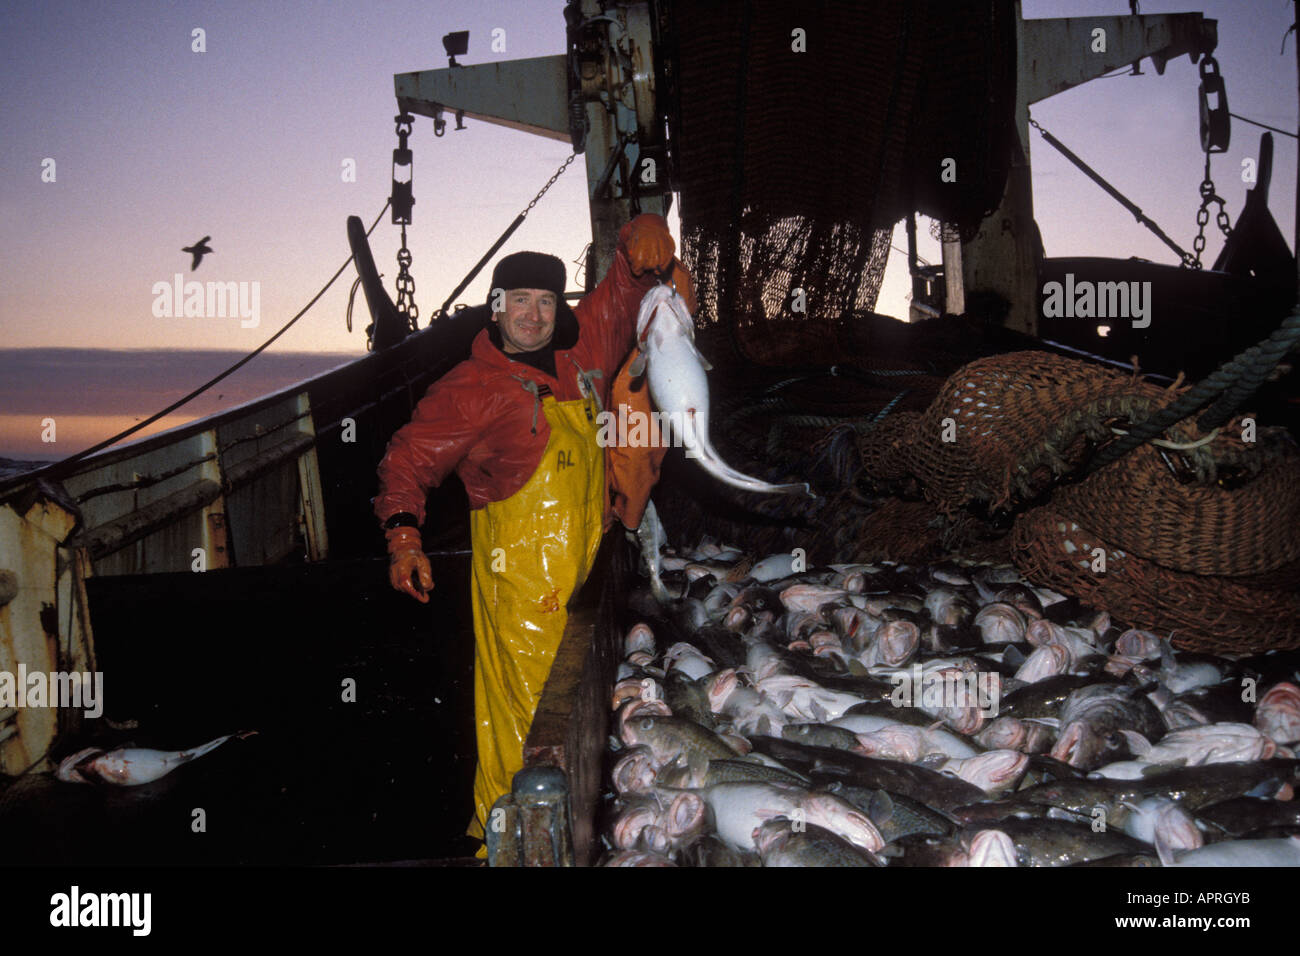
(1122, 859)
(634, 812)
(1093, 718)
(133, 766)
(992, 848)
(1194, 787)
(821, 735)
(1042, 699)
(792, 665)
(675, 370)
(635, 771)
(636, 858)
(1164, 824)
(1278, 714)
(895, 815)
(774, 567)
(1048, 842)
(1241, 815)
(930, 850)
(689, 700)
(651, 537)
(1023, 599)
(947, 605)
(1000, 623)
(740, 808)
(1183, 672)
(710, 851)
(1012, 733)
(639, 638)
(781, 843)
(805, 700)
(1217, 703)
(824, 766)
(1205, 744)
(994, 772)
(671, 738)
(933, 740)
(1275, 852)
(750, 771)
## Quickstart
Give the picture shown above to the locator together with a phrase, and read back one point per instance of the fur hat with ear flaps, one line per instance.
(537, 270)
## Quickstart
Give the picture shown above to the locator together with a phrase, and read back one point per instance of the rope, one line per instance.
(782, 423)
(1118, 196)
(1264, 125)
(352, 298)
(1232, 383)
(1177, 446)
(60, 468)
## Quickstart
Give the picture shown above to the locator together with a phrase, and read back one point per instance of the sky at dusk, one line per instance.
(155, 146)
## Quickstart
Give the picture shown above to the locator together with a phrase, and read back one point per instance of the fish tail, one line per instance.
(712, 462)
(207, 748)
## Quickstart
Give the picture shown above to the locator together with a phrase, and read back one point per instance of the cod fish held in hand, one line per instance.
(132, 766)
(675, 371)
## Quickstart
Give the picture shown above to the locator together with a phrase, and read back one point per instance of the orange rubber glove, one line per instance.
(649, 244)
(406, 556)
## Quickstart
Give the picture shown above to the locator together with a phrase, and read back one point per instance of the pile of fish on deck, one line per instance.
(886, 715)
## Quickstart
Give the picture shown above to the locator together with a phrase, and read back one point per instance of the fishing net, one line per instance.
(1200, 533)
(884, 94)
(1250, 529)
(1209, 614)
(1002, 428)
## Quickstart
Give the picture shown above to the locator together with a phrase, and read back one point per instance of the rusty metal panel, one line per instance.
(43, 626)
(216, 544)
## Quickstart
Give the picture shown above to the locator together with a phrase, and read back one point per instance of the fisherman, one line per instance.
(517, 421)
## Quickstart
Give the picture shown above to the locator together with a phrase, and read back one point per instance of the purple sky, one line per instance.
(156, 146)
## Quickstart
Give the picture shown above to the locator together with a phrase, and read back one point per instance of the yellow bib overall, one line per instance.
(532, 551)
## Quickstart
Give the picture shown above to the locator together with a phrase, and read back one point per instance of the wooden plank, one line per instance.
(130, 528)
(571, 725)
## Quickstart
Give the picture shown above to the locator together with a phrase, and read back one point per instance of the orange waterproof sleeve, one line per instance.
(423, 452)
(633, 460)
(611, 308)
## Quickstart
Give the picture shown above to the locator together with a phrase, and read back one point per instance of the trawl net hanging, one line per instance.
(801, 135)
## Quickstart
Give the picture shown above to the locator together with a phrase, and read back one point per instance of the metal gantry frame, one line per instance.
(1054, 55)
(599, 96)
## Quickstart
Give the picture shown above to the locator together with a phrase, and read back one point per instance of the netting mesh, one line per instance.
(839, 270)
(1002, 427)
(1203, 613)
(802, 135)
(1200, 536)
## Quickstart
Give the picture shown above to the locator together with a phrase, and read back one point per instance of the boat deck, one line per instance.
(190, 657)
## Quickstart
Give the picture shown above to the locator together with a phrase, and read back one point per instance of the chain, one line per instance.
(406, 286)
(549, 183)
(405, 281)
(1208, 195)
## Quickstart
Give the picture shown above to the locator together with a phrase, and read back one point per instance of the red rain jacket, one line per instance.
(478, 420)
